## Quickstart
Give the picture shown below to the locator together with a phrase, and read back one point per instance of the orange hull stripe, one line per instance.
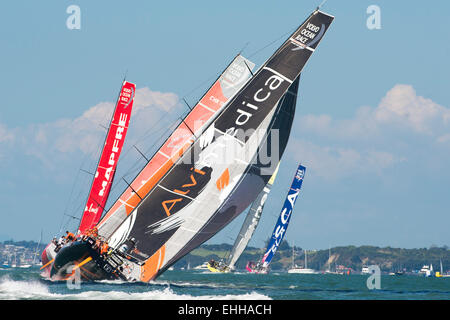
(45, 265)
(152, 265)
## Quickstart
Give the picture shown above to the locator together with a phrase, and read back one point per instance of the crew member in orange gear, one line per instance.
(70, 236)
(104, 248)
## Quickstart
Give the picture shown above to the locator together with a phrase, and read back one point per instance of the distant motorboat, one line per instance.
(427, 270)
(297, 269)
(203, 266)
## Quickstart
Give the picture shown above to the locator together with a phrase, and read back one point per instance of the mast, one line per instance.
(293, 257)
(329, 259)
(306, 259)
(37, 248)
(107, 163)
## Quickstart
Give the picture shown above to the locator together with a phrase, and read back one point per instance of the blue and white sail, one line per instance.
(284, 218)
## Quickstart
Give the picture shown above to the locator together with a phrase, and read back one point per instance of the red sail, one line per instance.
(101, 185)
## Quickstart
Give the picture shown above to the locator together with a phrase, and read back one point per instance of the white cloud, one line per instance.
(5, 134)
(335, 162)
(401, 110)
(402, 105)
(56, 142)
(374, 138)
(444, 138)
(145, 98)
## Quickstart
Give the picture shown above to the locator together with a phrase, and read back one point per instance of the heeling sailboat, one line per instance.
(281, 225)
(105, 170)
(221, 173)
(226, 86)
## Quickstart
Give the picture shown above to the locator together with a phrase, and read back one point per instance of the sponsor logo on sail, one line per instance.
(115, 148)
(309, 33)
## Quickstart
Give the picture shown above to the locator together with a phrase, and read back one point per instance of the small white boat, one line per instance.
(427, 270)
(203, 266)
(297, 269)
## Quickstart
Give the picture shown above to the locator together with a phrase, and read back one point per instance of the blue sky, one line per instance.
(372, 123)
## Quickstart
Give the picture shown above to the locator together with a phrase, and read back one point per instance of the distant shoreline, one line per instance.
(350, 257)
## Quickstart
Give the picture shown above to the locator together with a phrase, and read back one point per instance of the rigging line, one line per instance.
(71, 193)
(244, 47)
(73, 217)
(132, 188)
(271, 43)
(202, 84)
(189, 128)
(85, 171)
(162, 136)
(149, 131)
(217, 79)
(125, 153)
(141, 153)
(190, 109)
(217, 75)
(320, 5)
(251, 72)
(135, 167)
(182, 119)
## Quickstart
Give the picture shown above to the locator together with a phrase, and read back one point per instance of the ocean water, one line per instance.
(190, 285)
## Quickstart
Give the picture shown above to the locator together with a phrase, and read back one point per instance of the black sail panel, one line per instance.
(202, 192)
(270, 83)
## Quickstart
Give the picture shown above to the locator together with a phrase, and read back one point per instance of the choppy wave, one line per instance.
(12, 289)
(27, 284)
(20, 290)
